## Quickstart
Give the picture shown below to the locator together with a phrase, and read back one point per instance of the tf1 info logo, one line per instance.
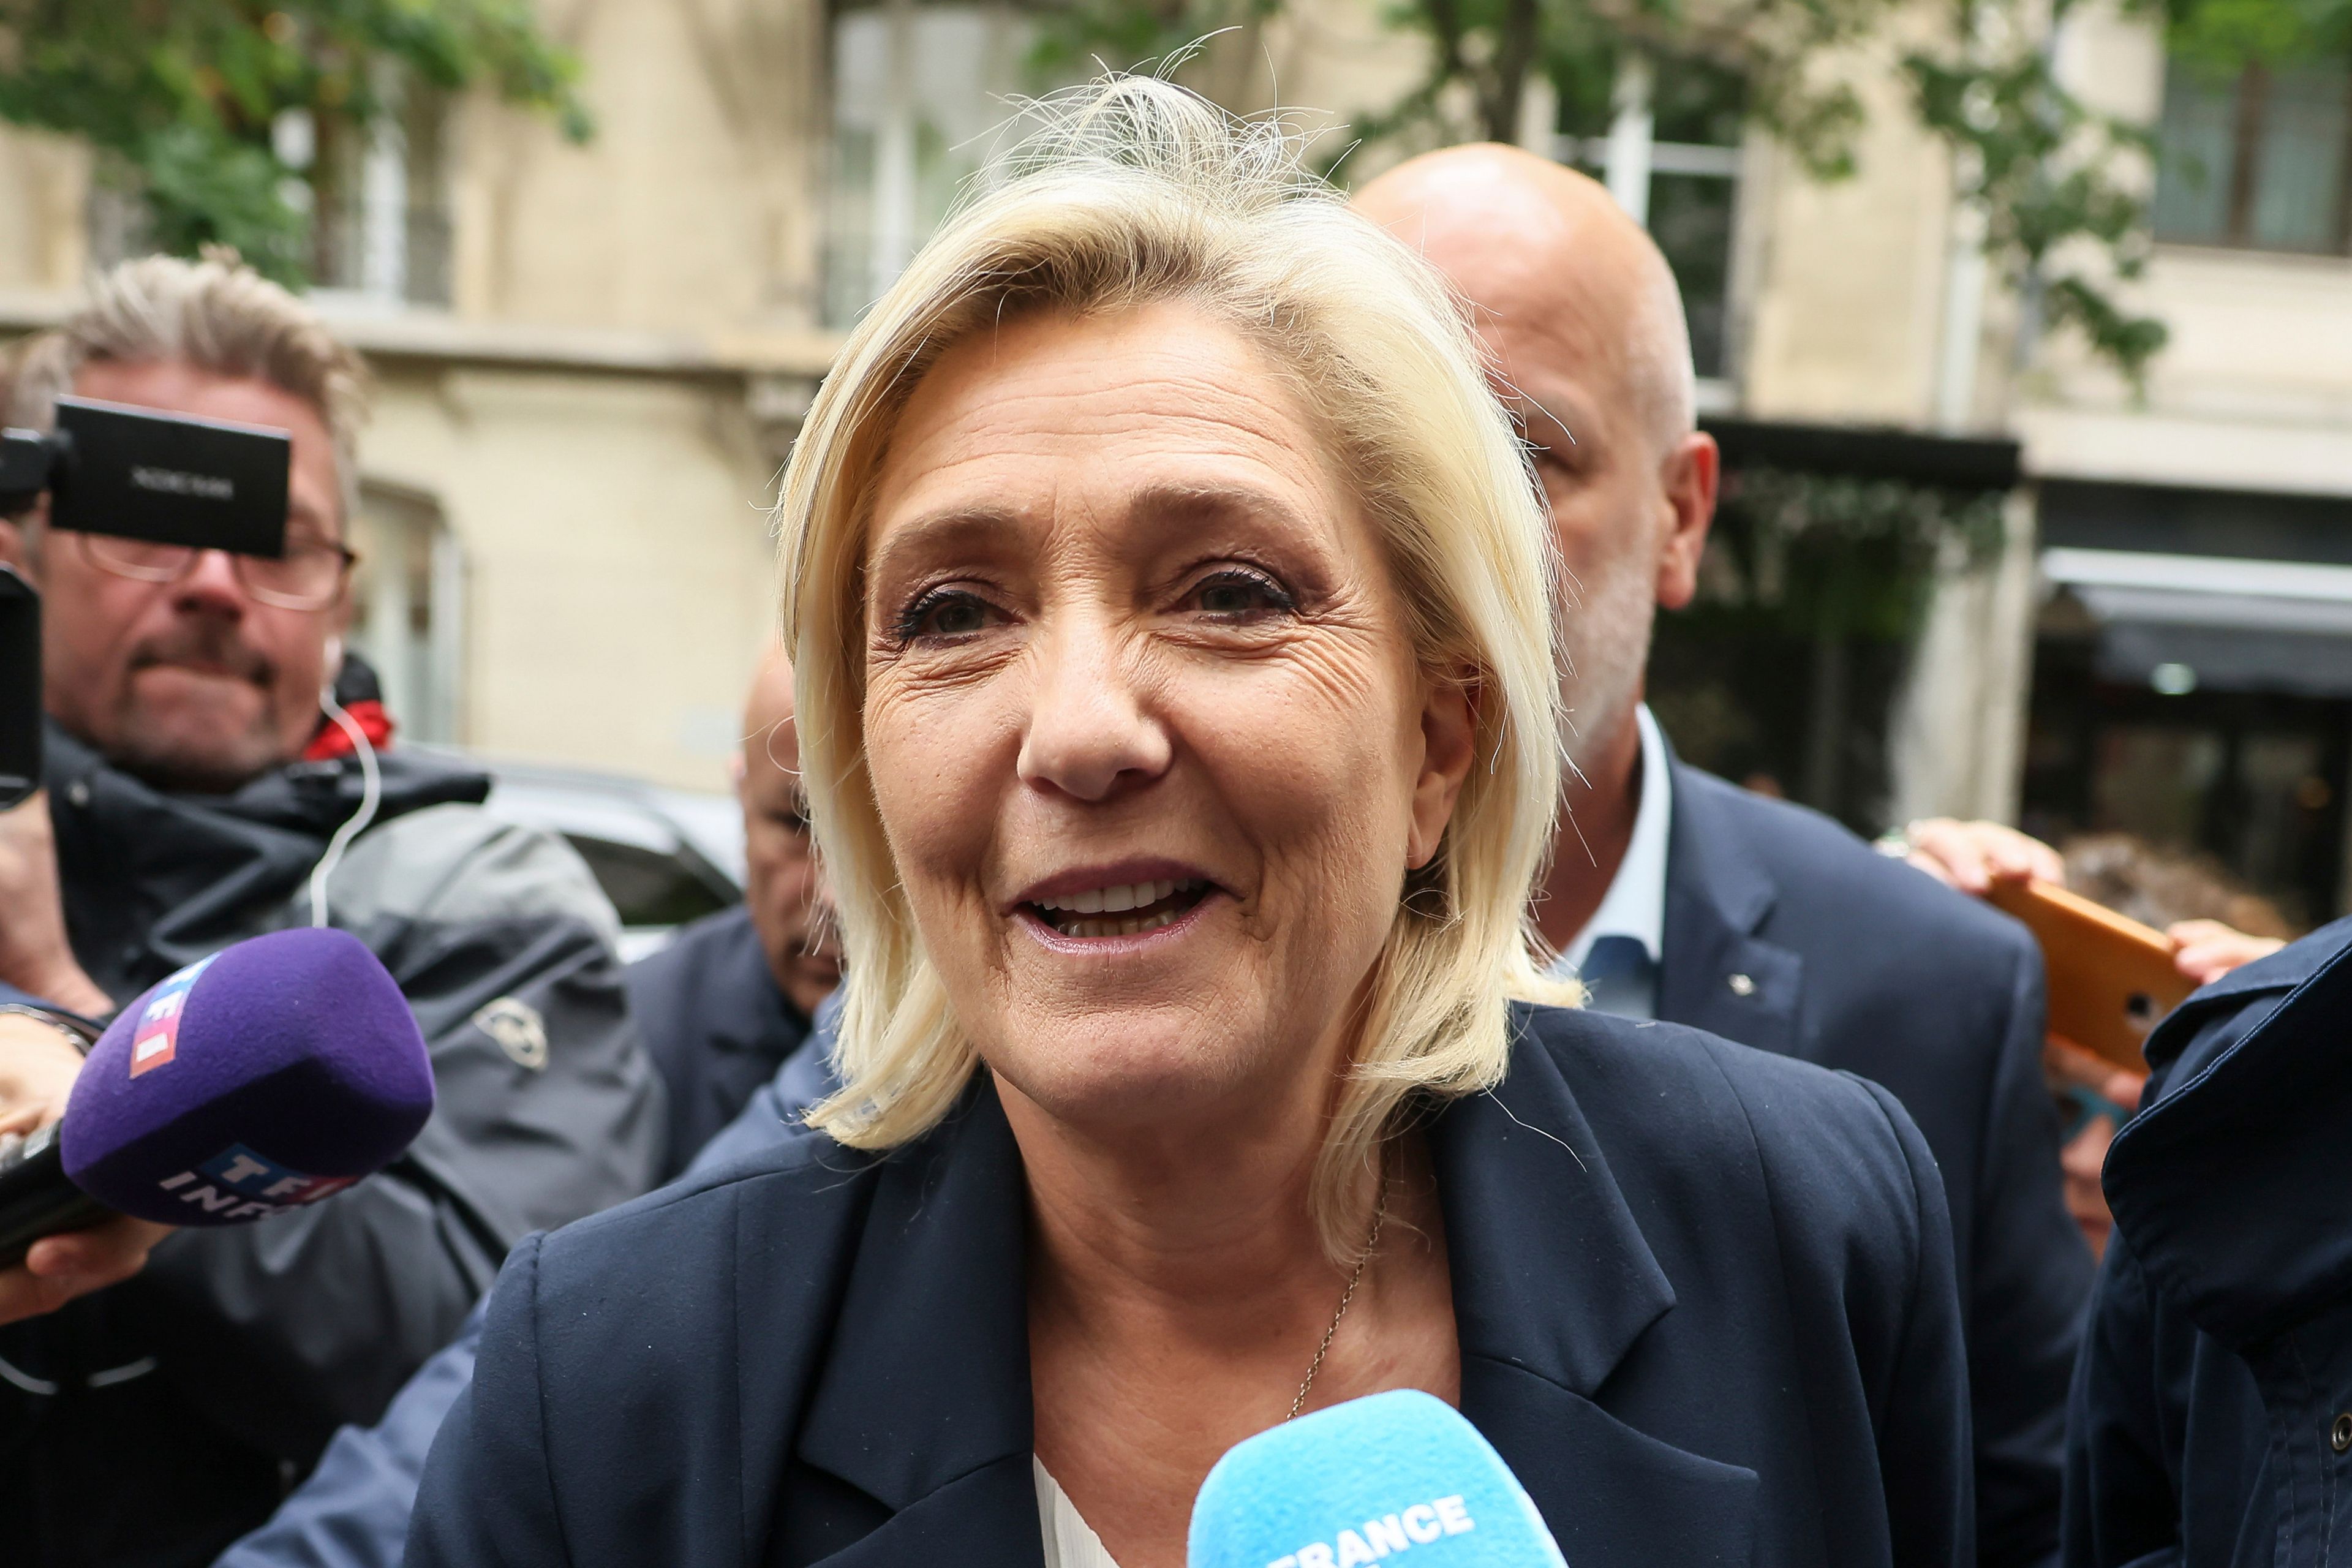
(156, 1038)
(237, 1183)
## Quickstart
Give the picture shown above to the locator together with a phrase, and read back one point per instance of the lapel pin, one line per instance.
(1740, 986)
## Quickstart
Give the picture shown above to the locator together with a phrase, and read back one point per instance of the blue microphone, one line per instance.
(1397, 1473)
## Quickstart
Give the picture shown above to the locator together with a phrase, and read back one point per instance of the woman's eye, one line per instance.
(946, 613)
(1236, 596)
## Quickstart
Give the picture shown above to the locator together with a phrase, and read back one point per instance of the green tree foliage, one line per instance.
(2057, 182)
(179, 97)
(2060, 185)
(2230, 35)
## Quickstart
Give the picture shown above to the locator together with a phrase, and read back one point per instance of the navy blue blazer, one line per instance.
(1705, 1300)
(1786, 933)
(715, 1022)
(2213, 1412)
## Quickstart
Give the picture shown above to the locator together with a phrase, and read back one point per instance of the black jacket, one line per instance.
(1705, 1301)
(715, 1022)
(1785, 932)
(155, 1422)
(2213, 1412)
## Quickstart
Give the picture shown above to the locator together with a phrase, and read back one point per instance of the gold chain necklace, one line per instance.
(1355, 1277)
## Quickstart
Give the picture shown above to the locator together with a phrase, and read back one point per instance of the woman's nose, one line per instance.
(1090, 732)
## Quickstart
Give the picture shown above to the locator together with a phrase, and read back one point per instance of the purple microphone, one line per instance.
(272, 1074)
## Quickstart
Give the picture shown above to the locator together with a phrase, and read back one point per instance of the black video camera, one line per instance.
(167, 479)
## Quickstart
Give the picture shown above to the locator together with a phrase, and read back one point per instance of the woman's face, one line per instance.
(1145, 725)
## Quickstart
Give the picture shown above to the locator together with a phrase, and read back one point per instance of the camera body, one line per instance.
(20, 688)
(136, 473)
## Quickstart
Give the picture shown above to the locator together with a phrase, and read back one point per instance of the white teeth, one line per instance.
(1115, 900)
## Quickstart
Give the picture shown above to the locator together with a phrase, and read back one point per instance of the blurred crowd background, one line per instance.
(2025, 327)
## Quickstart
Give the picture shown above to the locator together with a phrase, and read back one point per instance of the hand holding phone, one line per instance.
(2111, 979)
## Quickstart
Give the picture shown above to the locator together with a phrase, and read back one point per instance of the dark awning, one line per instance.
(1868, 452)
(2236, 625)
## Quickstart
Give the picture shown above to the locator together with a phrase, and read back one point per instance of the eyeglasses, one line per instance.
(307, 577)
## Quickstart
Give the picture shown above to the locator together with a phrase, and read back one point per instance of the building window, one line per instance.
(2255, 160)
(918, 92)
(407, 601)
(1667, 142)
(378, 197)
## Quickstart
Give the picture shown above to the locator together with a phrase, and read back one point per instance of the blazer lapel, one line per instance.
(922, 1402)
(1553, 1287)
(1716, 973)
(1600, 1485)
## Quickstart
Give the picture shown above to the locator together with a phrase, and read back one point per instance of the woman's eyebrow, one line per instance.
(949, 529)
(1196, 504)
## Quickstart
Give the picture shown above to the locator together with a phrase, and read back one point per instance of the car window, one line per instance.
(647, 888)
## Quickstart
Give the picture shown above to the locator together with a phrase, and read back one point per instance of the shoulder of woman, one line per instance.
(1831, 1149)
(787, 1210)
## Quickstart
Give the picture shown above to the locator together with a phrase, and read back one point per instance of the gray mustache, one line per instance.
(202, 645)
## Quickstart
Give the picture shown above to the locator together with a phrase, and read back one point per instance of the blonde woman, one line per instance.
(1171, 611)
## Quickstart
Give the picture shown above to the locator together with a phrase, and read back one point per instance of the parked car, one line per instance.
(663, 856)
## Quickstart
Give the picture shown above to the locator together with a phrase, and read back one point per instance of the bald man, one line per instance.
(723, 1004)
(1679, 897)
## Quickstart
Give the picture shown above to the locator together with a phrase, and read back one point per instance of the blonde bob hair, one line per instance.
(1136, 191)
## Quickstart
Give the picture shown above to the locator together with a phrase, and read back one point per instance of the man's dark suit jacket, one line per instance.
(2212, 1416)
(1703, 1298)
(715, 1022)
(1785, 932)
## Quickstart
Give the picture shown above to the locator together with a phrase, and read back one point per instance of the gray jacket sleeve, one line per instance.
(547, 1109)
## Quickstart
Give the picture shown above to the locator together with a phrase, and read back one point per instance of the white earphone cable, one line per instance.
(371, 797)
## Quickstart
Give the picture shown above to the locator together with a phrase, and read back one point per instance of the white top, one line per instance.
(1635, 904)
(1070, 1540)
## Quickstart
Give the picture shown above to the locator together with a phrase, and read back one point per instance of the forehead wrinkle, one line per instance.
(1271, 463)
(1014, 416)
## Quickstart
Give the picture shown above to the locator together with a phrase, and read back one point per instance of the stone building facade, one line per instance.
(592, 360)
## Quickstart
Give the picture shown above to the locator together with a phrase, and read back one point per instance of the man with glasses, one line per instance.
(204, 784)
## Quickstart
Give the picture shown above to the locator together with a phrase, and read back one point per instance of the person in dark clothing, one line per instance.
(2211, 1420)
(352, 1512)
(731, 997)
(191, 805)
(1674, 895)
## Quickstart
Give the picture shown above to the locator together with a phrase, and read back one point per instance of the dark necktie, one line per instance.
(1622, 980)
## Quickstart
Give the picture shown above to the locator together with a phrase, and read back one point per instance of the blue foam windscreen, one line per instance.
(274, 1073)
(1396, 1474)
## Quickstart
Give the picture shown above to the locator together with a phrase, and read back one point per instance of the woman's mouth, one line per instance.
(1129, 910)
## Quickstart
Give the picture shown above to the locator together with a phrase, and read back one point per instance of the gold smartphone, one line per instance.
(2112, 979)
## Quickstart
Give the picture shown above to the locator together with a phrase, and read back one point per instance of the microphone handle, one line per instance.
(37, 1198)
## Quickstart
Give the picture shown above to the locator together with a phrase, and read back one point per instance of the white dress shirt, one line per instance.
(1070, 1540)
(1635, 904)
